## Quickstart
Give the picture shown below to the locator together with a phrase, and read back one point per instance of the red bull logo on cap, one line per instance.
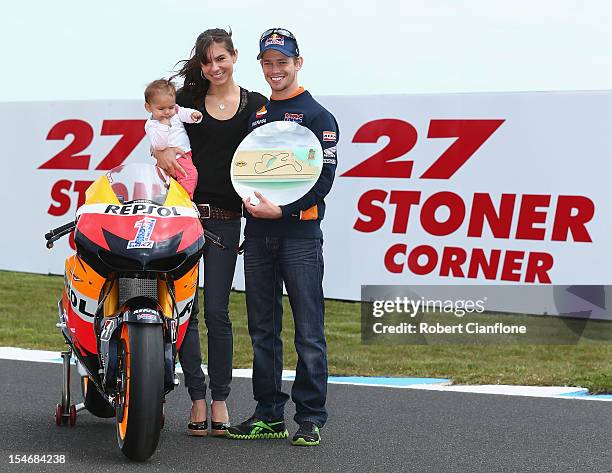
(275, 39)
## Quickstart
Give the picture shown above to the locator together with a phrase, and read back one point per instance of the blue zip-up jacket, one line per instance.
(302, 218)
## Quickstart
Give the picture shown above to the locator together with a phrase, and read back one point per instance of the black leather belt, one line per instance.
(208, 211)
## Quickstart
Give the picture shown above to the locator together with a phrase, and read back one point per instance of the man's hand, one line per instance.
(166, 159)
(264, 209)
(196, 116)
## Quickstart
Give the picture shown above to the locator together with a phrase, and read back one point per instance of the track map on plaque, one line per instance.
(282, 160)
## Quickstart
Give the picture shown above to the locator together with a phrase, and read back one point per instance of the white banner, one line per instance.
(470, 188)
(430, 189)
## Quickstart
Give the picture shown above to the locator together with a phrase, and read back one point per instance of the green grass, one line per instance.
(28, 313)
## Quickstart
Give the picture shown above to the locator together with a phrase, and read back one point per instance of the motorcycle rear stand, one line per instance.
(66, 413)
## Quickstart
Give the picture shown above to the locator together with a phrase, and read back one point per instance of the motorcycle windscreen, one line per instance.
(136, 182)
(132, 182)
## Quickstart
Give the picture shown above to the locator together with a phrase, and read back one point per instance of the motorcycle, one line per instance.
(127, 298)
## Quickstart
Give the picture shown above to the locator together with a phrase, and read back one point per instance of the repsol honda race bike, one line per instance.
(127, 298)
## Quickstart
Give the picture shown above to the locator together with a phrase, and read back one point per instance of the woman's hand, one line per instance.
(166, 159)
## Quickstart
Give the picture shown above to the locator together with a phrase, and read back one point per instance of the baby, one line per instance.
(165, 127)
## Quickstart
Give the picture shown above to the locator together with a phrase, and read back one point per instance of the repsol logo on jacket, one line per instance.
(141, 209)
(294, 117)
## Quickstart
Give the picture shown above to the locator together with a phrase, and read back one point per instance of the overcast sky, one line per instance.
(109, 50)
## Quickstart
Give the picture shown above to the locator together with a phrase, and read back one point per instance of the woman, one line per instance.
(210, 88)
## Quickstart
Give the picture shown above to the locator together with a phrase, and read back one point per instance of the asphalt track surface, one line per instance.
(370, 429)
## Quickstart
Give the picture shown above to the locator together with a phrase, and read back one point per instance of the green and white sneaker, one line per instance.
(255, 428)
(307, 435)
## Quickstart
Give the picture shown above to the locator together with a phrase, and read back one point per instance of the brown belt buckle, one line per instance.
(204, 210)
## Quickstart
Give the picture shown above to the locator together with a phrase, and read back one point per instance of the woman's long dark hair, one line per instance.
(191, 69)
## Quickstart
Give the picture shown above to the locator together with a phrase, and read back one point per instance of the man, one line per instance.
(284, 244)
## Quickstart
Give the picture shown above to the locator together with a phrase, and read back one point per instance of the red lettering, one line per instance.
(567, 221)
(471, 135)
(512, 264)
(429, 253)
(402, 138)
(390, 255)
(483, 208)
(131, 131)
(367, 208)
(452, 259)
(538, 265)
(80, 187)
(423, 260)
(403, 200)
(479, 261)
(528, 216)
(456, 213)
(59, 193)
(67, 158)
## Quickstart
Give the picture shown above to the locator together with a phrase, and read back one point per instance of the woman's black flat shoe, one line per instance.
(199, 429)
(218, 429)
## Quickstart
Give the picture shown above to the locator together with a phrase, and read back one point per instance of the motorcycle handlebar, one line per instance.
(61, 229)
(58, 232)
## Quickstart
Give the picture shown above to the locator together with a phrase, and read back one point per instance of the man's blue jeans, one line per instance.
(268, 261)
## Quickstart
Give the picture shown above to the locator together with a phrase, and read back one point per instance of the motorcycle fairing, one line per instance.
(94, 220)
(82, 287)
(139, 230)
(184, 290)
(161, 259)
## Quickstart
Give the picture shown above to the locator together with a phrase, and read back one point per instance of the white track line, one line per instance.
(431, 384)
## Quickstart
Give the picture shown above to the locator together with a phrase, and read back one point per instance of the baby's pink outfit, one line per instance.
(174, 135)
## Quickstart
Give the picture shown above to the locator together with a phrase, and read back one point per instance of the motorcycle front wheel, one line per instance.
(93, 400)
(140, 390)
